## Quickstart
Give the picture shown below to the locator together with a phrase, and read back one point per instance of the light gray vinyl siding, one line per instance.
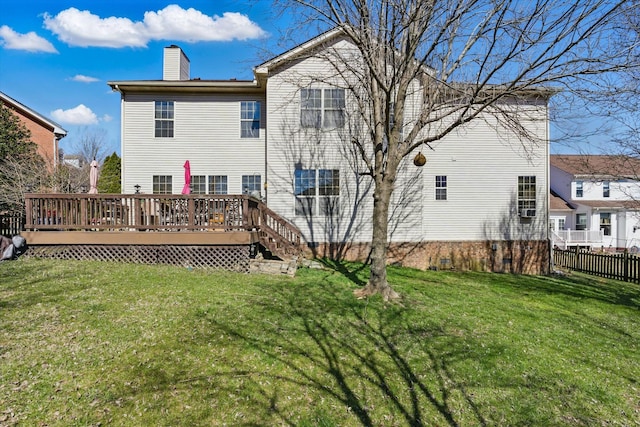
(482, 162)
(482, 167)
(206, 132)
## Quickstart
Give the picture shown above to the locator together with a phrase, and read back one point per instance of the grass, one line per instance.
(88, 343)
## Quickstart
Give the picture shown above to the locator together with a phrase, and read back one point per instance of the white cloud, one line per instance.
(82, 28)
(106, 118)
(84, 79)
(30, 42)
(80, 115)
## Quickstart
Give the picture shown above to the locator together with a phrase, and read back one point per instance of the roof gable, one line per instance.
(37, 117)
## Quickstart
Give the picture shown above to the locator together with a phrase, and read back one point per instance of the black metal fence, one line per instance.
(620, 266)
(11, 224)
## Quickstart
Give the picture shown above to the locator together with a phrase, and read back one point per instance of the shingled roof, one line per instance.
(597, 166)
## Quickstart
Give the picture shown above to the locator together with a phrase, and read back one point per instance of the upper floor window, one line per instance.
(527, 196)
(322, 108)
(317, 191)
(249, 119)
(162, 184)
(217, 184)
(441, 187)
(606, 189)
(164, 119)
(579, 189)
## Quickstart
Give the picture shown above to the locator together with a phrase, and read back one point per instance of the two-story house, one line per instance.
(481, 200)
(45, 133)
(603, 201)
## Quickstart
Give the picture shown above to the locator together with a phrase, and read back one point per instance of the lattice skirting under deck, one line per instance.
(235, 258)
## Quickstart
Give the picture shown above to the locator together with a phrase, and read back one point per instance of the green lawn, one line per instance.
(89, 343)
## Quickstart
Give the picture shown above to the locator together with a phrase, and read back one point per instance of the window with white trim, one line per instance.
(441, 187)
(198, 184)
(322, 108)
(527, 196)
(605, 223)
(606, 189)
(579, 189)
(251, 184)
(249, 119)
(162, 184)
(581, 221)
(164, 119)
(217, 184)
(317, 191)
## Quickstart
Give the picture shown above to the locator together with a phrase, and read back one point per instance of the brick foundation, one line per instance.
(521, 257)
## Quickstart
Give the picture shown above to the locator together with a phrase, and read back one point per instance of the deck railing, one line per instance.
(160, 212)
(566, 238)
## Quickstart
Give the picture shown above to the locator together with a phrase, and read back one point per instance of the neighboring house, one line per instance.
(602, 196)
(45, 133)
(481, 201)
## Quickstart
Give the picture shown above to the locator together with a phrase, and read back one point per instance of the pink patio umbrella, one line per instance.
(187, 178)
(93, 178)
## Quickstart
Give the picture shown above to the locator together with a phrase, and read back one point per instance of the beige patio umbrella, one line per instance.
(93, 178)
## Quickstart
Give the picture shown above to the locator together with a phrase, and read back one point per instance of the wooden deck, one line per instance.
(148, 220)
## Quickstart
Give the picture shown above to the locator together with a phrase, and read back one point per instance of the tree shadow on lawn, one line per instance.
(350, 351)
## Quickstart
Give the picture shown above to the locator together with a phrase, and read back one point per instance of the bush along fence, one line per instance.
(11, 224)
(622, 266)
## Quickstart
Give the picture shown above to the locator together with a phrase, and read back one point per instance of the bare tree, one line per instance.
(426, 67)
(19, 174)
(91, 145)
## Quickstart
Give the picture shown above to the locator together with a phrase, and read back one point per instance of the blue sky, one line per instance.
(56, 56)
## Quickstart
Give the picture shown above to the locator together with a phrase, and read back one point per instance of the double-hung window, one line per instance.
(581, 221)
(162, 184)
(198, 184)
(322, 108)
(328, 191)
(251, 184)
(579, 189)
(527, 196)
(164, 119)
(606, 189)
(249, 119)
(441, 187)
(317, 191)
(217, 184)
(605, 223)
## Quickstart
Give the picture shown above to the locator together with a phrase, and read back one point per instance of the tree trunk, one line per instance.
(378, 283)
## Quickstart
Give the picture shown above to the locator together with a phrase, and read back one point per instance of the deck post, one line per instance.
(191, 211)
(28, 204)
(245, 212)
(83, 212)
(137, 213)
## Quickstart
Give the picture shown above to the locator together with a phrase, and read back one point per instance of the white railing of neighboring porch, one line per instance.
(565, 238)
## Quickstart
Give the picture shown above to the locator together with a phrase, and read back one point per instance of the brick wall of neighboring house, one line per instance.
(42, 136)
(521, 257)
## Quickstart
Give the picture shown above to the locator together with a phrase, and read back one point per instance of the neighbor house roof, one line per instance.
(597, 166)
(557, 203)
(34, 115)
(611, 204)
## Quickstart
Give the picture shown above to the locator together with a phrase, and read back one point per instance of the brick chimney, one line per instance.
(176, 64)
